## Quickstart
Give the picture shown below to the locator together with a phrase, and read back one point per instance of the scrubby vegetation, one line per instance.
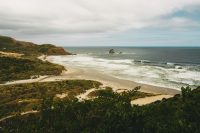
(23, 68)
(27, 64)
(112, 113)
(9, 44)
(23, 97)
(132, 94)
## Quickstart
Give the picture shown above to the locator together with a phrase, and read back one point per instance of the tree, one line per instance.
(186, 92)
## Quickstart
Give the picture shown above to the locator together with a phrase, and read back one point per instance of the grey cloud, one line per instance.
(65, 17)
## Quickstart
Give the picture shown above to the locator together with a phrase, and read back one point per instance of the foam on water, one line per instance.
(146, 72)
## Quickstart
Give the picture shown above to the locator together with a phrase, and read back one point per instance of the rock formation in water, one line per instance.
(111, 51)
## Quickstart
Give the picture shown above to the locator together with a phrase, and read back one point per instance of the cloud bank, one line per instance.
(91, 17)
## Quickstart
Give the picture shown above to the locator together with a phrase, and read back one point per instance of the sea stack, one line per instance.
(111, 51)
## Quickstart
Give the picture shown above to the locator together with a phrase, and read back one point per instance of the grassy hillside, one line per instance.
(112, 113)
(23, 68)
(28, 48)
(18, 59)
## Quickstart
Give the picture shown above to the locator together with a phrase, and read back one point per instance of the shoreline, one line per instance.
(107, 80)
(73, 73)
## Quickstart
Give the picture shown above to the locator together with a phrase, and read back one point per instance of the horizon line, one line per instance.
(142, 46)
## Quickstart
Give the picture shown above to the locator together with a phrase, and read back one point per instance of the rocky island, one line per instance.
(111, 51)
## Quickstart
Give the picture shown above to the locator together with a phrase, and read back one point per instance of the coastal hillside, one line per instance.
(9, 44)
(19, 60)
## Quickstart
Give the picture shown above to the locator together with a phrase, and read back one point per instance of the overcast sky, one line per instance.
(103, 22)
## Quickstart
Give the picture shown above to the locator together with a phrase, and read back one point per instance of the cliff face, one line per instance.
(57, 51)
(28, 48)
(50, 49)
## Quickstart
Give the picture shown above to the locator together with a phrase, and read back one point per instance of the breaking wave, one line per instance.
(165, 74)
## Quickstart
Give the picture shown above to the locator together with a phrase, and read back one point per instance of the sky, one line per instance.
(102, 22)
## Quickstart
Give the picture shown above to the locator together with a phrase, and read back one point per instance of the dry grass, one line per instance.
(10, 54)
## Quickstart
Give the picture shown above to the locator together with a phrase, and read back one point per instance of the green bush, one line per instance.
(33, 93)
(111, 113)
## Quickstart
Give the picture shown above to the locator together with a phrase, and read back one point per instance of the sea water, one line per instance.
(160, 66)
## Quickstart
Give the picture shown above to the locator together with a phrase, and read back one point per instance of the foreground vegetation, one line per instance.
(112, 113)
(25, 97)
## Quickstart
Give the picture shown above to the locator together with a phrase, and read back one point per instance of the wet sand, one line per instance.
(115, 83)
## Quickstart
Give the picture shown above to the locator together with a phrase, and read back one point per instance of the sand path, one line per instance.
(84, 96)
(10, 54)
(23, 113)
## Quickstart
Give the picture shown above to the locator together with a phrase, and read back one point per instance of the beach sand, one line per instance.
(116, 84)
(148, 100)
(106, 80)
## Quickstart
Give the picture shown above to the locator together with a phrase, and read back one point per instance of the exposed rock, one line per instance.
(50, 49)
(56, 51)
(111, 51)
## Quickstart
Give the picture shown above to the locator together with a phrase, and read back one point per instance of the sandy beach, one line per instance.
(106, 80)
(115, 83)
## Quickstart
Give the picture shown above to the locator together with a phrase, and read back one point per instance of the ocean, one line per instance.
(171, 67)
